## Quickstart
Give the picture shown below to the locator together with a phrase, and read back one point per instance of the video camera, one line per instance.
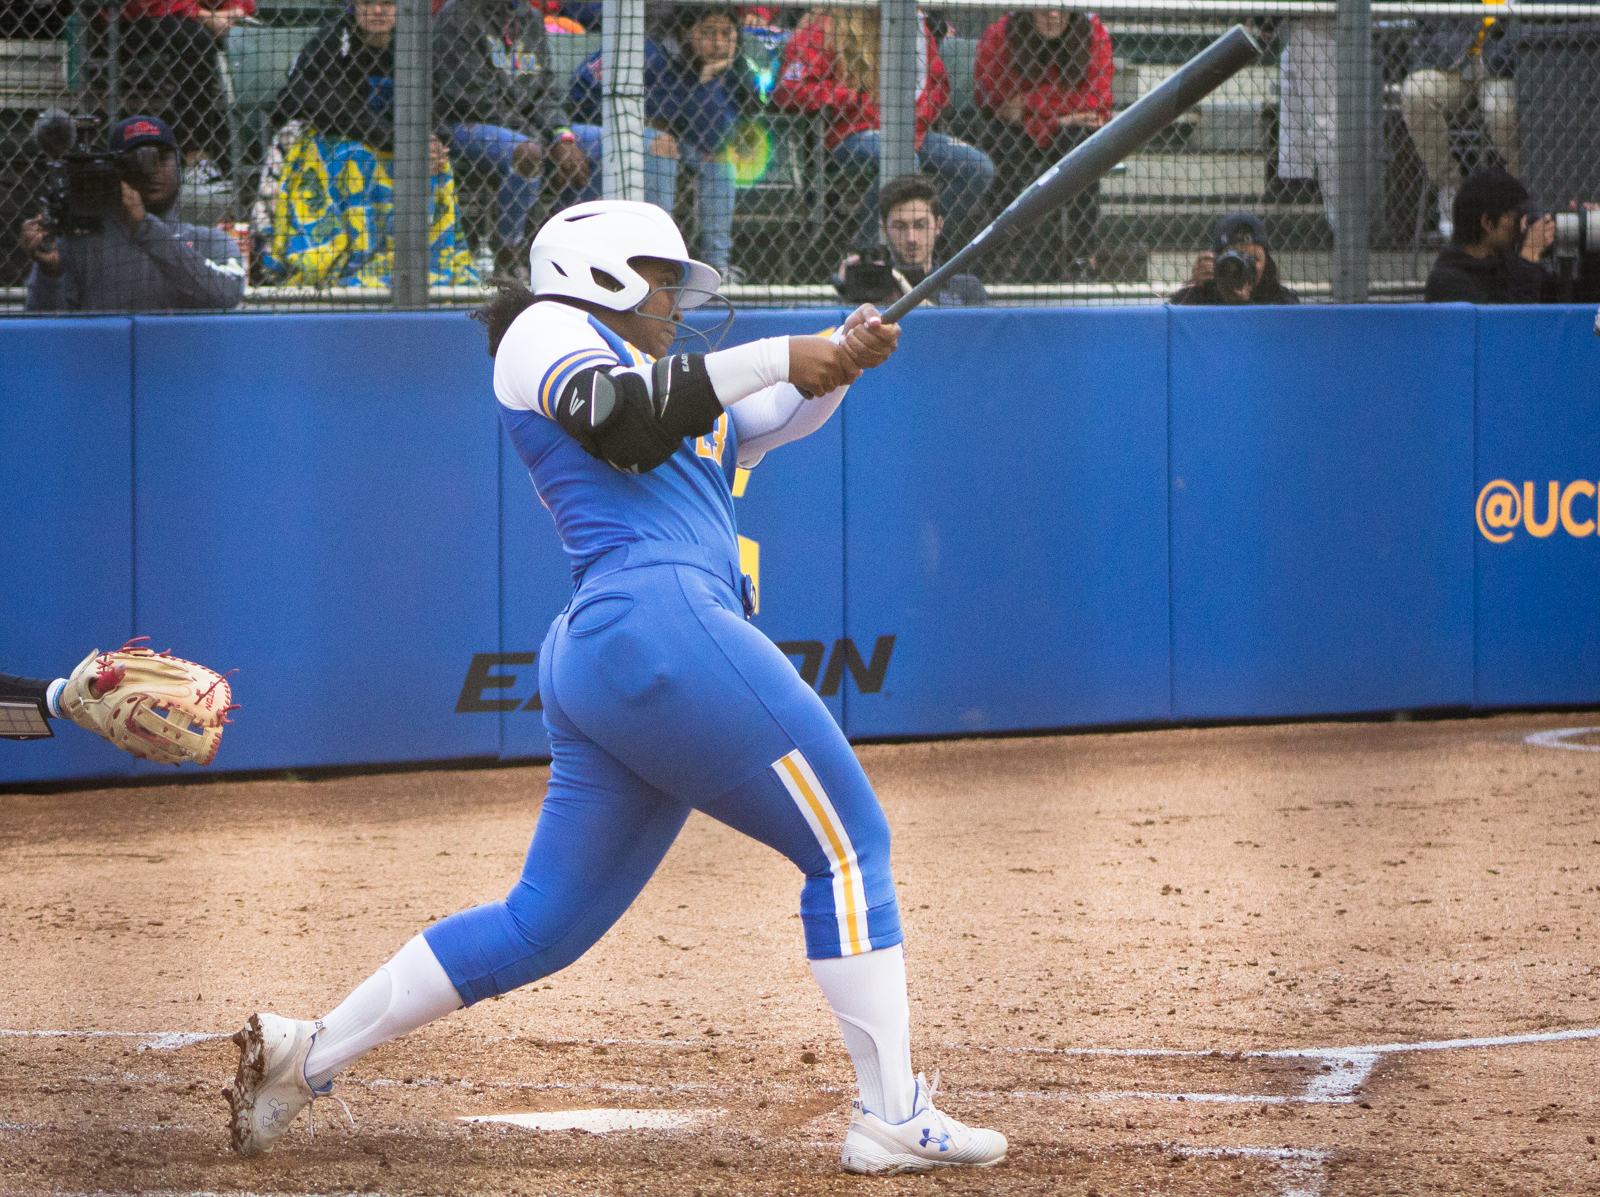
(871, 279)
(85, 186)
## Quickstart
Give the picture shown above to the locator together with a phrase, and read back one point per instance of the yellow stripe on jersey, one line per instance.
(849, 896)
(556, 376)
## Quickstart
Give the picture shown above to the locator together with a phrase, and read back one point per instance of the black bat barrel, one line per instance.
(1191, 83)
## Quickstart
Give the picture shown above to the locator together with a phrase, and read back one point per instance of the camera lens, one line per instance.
(1569, 232)
(1235, 270)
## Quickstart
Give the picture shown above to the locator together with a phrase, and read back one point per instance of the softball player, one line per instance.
(659, 696)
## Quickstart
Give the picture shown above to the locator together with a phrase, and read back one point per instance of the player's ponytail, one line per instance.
(511, 298)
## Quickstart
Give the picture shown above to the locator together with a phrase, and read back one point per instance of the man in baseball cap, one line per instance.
(139, 259)
(1238, 269)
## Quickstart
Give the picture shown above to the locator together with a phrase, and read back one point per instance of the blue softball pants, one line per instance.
(661, 698)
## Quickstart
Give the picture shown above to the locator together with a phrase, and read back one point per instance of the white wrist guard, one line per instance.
(746, 369)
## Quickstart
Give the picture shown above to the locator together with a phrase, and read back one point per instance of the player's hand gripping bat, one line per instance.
(1192, 82)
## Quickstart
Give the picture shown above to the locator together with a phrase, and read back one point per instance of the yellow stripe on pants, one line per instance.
(824, 817)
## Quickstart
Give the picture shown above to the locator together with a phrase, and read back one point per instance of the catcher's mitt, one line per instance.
(154, 705)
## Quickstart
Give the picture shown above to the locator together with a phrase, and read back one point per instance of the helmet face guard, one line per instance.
(684, 333)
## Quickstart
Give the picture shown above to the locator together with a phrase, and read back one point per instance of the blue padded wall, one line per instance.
(1028, 519)
(1321, 463)
(317, 505)
(1538, 625)
(1005, 507)
(66, 525)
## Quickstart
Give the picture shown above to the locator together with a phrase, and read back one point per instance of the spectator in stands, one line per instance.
(1308, 107)
(697, 86)
(502, 110)
(1238, 269)
(1456, 63)
(830, 65)
(1043, 80)
(1494, 252)
(188, 33)
(342, 83)
(139, 260)
(328, 210)
(910, 224)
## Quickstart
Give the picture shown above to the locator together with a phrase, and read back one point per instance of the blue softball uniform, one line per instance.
(660, 698)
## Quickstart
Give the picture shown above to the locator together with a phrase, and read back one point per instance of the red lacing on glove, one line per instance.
(108, 676)
(204, 694)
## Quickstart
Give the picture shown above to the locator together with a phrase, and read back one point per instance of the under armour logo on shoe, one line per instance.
(942, 1140)
(275, 1108)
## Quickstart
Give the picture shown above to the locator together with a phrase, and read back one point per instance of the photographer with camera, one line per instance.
(1494, 252)
(106, 244)
(1239, 269)
(910, 222)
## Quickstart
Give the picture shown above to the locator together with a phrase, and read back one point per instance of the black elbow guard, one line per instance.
(635, 419)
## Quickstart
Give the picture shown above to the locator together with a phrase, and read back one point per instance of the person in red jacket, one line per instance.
(830, 65)
(189, 32)
(1043, 79)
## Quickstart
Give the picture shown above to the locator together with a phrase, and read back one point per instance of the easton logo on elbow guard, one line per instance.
(501, 672)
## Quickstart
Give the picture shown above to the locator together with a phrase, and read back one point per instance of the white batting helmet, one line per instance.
(583, 252)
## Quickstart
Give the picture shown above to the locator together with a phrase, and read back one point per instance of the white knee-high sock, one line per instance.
(868, 996)
(410, 991)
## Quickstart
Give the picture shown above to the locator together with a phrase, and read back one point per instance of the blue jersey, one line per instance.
(688, 499)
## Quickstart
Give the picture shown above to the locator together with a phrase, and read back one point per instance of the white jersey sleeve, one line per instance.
(545, 346)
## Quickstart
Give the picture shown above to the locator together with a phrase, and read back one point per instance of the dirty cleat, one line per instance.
(270, 1087)
(925, 1141)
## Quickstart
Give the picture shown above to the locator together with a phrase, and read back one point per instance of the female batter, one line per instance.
(659, 696)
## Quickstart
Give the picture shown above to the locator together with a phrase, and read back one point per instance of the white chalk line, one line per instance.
(600, 1121)
(1361, 1049)
(1340, 1086)
(1559, 737)
(156, 1041)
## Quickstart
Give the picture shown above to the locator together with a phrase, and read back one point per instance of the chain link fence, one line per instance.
(304, 155)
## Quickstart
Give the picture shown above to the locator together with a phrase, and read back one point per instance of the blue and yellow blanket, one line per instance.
(332, 223)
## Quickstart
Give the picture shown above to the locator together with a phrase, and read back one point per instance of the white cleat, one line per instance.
(270, 1087)
(925, 1141)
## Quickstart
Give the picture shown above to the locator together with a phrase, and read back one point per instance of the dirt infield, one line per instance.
(1116, 945)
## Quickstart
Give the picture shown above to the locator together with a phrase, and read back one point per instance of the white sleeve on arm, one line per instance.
(777, 416)
(745, 369)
